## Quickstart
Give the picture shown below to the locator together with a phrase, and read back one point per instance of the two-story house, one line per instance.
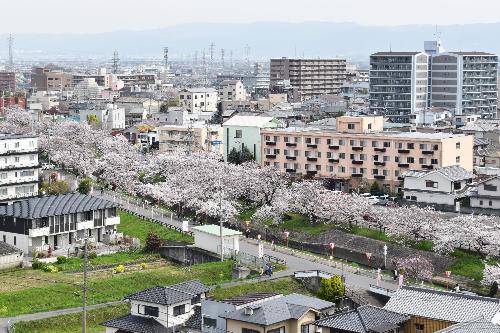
(439, 186)
(160, 309)
(57, 221)
(487, 194)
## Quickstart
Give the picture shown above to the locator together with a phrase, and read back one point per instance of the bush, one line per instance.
(85, 186)
(144, 265)
(50, 268)
(92, 255)
(153, 242)
(331, 289)
(119, 269)
(61, 260)
(36, 264)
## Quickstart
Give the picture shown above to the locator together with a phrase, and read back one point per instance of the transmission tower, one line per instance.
(116, 60)
(11, 54)
(222, 52)
(212, 48)
(247, 54)
(165, 56)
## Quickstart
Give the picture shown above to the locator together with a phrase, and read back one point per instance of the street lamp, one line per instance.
(385, 256)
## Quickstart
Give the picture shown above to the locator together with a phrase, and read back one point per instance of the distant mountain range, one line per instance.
(265, 39)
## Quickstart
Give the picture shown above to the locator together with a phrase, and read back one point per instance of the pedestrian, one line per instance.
(102, 190)
(247, 233)
(395, 274)
(457, 288)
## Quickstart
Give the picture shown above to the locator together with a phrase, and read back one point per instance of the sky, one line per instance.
(93, 16)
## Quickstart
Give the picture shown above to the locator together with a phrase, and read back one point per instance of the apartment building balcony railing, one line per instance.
(291, 170)
(19, 151)
(19, 166)
(18, 196)
(271, 156)
(357, 148)
(357, 175)
(333, 147)
(271, 143)
(291, 144)
(82, 225)
(381, 150)
(312, 145)
(333, 160)
(292, 158)
(379, 177)
(358, 162)
(403, 151)
(403, 165)
(312, 158)
(312, 172)
(19, 181)
(379, 163)
(39, 232)
(114, 220)
(428, 166)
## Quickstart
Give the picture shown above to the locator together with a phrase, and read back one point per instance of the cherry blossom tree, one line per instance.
(416, 268)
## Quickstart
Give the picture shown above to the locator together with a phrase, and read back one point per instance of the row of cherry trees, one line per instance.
(202, 184)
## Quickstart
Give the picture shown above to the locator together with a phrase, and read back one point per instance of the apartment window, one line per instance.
(375, 158)
(16, 145)
(267, 163)
(317, 141)
(369, 126)
(490, 188)
(396, 173)
(385, 172)
(352, 156)
(362, 143)
(239, 134)
(307, 153)
(328, 141)
(3, 175)
(286, 139)
(387, 158)
(32, 143)
(341, 169)
(423, 146)
(329, 155)
(286, 152)
(27, 173)
(410, 159)
(318, 167)
(32, 157)
(276, 165)
(490, 203)
(374, 144)
(410, 145)
(296, 139)
(457, 145)
(457, 159)
(330, 168)
(434, 161)
(209, 322)
(396, 159)
(341, 142)
(362, 157)
(387, 144)
(152, 311)
(179, 310)
(354, 170)
(419, 327)
(352, 143)
(296, 153)
(422, 160)
(307, 166)
(431, 184)
(4, 238)
(435, 147)
(374, 171)
(362, 171)
(400, 145)
(342, 156)
(480, 203)
(16, 159)
(15, 239)
(351, 126)
(3, 191)
(308, 140)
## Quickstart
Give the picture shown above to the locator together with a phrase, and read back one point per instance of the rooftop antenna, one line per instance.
(165, 57)
(11, 55)
(115, 62)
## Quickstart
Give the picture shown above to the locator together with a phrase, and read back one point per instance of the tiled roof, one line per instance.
(136, 324)
(439, 305)
(478, 326)
(452, 172)
(55, 205)
(170, 295)
(6, 249)
(293, 306)
(250, 298)
(364, 319)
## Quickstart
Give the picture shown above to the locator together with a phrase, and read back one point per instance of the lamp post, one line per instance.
(285, 235)
(385, 256)
(447, 274)
(332, 248)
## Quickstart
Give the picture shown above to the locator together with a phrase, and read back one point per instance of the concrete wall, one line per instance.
(11, 260)
(187, 255)
(18, 240)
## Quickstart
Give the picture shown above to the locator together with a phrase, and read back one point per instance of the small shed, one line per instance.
(207, 237)
(10, 256)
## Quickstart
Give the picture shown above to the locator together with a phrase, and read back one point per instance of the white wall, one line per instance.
(11, 260)
(21, 241)
(211, 243)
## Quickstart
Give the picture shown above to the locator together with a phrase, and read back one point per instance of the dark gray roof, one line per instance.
(440, 305)
(136, 324)
(293, 306)
(55, 205)
(364, 319)
(172, 294)
(250, 298)
(6, 249)
(478, 326)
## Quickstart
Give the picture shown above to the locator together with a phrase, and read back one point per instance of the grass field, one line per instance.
(136, 227)
(72, 322)
(467, 264)
(123, 258)
(28, 291)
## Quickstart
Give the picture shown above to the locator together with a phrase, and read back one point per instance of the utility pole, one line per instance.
(84, 298)
(221, 222)
(11, 53)
(115, 62)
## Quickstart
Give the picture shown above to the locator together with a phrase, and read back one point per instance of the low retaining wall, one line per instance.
(186, 255)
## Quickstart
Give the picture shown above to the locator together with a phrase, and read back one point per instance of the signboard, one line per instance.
(185, 225)
(216, 142)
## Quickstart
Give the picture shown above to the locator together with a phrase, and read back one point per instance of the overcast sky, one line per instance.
(111, 15)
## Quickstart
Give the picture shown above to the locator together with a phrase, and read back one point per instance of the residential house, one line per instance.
(232, 90)
(476, 326)
(19, 166)
(57, 221)
(364, 319)
(10, 256)
(439, 186)
(292, 313)
(111, 117)
(160, 309)
(245, 132)
(432, 310)
(200, 102)
(194, 137)
(487, 194)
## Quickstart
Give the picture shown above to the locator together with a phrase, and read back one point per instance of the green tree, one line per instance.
(59, 187)
(234, 157)
(246, 155)
(375, 189)
(85, 186)
(363, 186)
(331, 289)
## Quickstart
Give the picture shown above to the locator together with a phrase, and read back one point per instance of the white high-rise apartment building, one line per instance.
(398, 84)
(18, 167)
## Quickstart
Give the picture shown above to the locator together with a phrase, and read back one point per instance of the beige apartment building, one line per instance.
(194, 137)
(359, 149)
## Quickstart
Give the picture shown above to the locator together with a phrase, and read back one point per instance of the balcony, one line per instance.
(357, 148)
(291, 144)
(428, 152)
(291, 170)
(271, 156)
(379, 177)
(400, 178)
(334, 147)
(19, 151)
(357, 162)
(312, 145)
(333, 160)
(115, 220)
(312, 158)
(270, 143)
(403, 151)
(382, 150)
(39, 232)
(377, 163)
(357, 175)
(293, 158)
(20, 166)
(312, 172)
(85, 225)
(428, 166)
(403, 165)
